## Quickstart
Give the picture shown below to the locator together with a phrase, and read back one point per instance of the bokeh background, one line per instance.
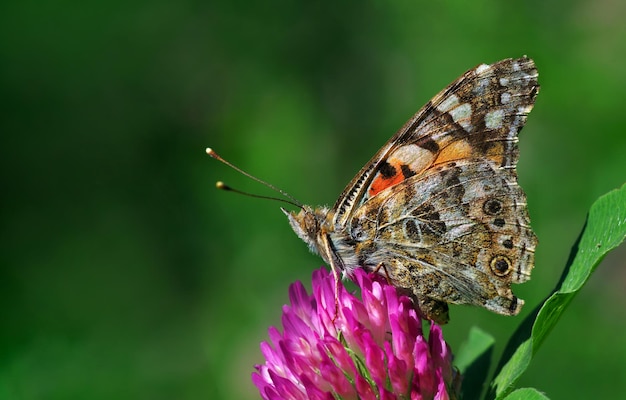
(126, 275)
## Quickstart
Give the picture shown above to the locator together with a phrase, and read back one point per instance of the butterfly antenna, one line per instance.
(223, 186)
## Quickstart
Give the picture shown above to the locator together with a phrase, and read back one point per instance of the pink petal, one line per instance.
(337, 379)
(340, 356)
(376, 312)
(313, 391)
(260, 383)
(366, 392)
(442, 392)
(374, 360)
(286, 388)
(424, 376)
(442, 358)
(399, 374)
(387, 395)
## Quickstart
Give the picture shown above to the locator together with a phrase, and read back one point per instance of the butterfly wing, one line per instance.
(439, 205)
(478, 115)
(457, 233)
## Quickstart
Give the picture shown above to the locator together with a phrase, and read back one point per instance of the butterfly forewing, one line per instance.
(478, 115)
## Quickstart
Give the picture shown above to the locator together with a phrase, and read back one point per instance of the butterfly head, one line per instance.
(307, 224)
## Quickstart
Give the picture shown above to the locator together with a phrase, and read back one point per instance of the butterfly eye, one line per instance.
(492, 207)
(500, 265)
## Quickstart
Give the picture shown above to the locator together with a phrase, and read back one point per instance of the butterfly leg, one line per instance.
(337, 285)
(381, 265)
(335, 263)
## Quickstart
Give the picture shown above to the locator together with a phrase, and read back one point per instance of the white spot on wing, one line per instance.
(504, 81)
(448, 103)
(416, 157)
(462, 114)
(493, 119)
(505, 97)
(525, 109)
(482, 68)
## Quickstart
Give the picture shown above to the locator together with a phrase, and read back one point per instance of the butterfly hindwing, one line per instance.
(458, 233)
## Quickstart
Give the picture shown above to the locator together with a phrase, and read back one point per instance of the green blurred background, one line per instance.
(126, 275)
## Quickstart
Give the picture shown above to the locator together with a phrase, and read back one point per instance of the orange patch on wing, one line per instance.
(496, 153)
(458, 150)
(381, 182)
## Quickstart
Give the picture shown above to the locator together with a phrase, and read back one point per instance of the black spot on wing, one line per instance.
(412, 231)
(430, 220)
(406, 171)
(428, 144)
(451, 182)
(386, 170)
(492, 207)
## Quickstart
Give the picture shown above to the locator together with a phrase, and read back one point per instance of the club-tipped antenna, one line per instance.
(222, 186)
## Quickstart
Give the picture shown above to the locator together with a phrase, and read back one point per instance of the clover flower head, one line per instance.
(337, 346)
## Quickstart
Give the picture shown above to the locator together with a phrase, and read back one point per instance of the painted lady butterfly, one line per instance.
(438, 209)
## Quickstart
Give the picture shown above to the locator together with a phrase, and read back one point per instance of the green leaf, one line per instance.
(604, 230)
(473, 360)
(477, 344)
(526, 394)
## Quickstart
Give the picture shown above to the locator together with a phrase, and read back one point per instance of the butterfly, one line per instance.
(438, 210)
